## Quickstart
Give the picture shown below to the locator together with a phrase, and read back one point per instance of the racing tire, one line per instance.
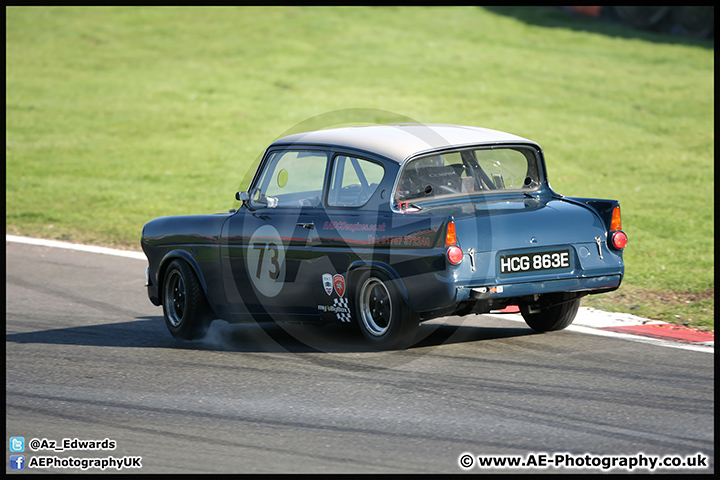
(382, 316)
(553, 318)
(185, 307)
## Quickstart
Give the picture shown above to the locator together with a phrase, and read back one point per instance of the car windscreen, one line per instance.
(468, 172)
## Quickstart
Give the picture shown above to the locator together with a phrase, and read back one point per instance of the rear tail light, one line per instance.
(454, 253)
(619, 240)
(451, 236)
(616, 222)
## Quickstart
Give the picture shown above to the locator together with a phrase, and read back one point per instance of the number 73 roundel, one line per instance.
(266, 261)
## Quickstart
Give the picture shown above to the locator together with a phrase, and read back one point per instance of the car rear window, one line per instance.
(468, 172)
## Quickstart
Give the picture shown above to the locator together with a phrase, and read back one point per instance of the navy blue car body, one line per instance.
(387, 226)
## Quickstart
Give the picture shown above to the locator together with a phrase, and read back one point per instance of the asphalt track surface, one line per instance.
(89, 358)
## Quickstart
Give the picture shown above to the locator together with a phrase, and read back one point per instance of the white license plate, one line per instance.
(534, 262)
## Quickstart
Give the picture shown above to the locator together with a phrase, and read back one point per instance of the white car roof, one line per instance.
(404, 140)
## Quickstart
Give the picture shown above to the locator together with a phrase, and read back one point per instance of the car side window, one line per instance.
(294, 177)
(353, 181)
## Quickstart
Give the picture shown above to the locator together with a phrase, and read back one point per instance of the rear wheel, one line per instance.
(383, 318)
(551, 318)
(184, 305)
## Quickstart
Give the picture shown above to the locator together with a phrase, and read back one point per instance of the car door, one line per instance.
(267, 243)
(347, 230)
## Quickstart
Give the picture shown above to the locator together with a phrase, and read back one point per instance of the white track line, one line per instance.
(73, 246)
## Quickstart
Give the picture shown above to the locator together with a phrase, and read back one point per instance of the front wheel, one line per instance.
(552, 318)
(383, 318)
(184, 305)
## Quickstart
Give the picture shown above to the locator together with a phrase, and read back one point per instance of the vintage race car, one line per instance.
(387, 226)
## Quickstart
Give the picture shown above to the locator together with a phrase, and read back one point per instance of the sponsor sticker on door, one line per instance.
(339, 285)
(327, 281)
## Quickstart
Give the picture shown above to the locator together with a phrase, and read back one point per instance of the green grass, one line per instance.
(116, 115)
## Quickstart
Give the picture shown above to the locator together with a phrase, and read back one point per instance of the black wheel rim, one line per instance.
(175, 298)
(375, 307)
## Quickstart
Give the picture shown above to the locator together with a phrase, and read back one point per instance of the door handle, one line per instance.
(309, 226)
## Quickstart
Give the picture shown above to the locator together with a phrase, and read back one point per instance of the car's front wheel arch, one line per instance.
(184, 256)
(185, 307)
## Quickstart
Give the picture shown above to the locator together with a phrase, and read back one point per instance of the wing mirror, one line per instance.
(255, 199)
